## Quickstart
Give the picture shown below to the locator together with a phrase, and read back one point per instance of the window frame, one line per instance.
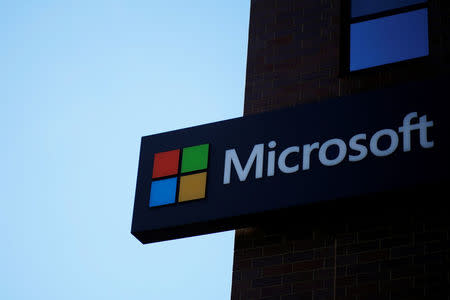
(347, 20)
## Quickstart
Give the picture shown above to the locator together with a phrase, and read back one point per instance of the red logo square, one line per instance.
(166, 163)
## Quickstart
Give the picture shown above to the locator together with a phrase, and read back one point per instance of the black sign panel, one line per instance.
(218, 176)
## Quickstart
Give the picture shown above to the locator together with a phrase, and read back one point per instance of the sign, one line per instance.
(220, 176)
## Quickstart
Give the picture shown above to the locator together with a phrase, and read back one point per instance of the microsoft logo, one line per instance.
(174, 181)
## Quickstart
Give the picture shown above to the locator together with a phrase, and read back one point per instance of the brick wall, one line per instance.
(366, 248)
(294, 54)
(390, 246)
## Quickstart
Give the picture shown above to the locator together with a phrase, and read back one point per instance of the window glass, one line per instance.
(367, 7)
(389, 39)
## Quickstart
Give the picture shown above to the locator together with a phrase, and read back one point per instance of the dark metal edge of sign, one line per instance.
(406, 200)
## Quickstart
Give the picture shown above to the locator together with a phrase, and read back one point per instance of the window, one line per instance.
(385, 31)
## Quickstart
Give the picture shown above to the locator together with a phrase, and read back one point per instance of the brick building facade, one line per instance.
(389, 246)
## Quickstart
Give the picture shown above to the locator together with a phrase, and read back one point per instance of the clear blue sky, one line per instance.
(80, 83)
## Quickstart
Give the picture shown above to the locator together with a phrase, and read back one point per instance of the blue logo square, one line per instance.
(163, 192)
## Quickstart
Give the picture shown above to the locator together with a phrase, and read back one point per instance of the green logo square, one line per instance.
(194, 158)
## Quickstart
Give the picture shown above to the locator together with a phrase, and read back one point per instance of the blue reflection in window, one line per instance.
(367, 7)
(389, 39)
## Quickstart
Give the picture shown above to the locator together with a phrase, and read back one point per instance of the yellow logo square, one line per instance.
(192, 187)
